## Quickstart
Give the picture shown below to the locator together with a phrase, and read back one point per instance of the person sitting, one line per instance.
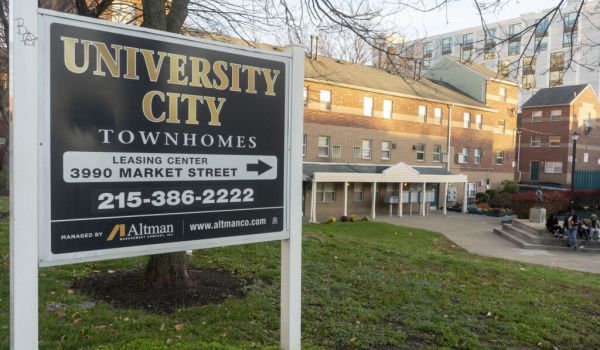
(570, 226)
(553, 226)
(594, 227)
(583, 230)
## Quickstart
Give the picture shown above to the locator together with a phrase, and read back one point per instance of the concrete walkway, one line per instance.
(474, 233)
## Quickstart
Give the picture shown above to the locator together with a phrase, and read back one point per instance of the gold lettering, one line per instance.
(219, 67)
(103, 55)
(193, 100)
(235, 77)
(131, 63)
(153, 69)
(214, 110)
(147, 106)
(251, 86)
(177, 69)
(270, 80)
(69, 54)
(200, 76)
(173, 101)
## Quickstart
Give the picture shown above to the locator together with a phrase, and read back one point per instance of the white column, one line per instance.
(291, 249)
(24, 199)
(445, 200)
(400, 193)
(346, 198)
(423, 200)
(464, 206)
(373, 199)
(313, 202)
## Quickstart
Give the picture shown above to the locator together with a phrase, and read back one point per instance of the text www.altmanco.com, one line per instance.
(227, 224)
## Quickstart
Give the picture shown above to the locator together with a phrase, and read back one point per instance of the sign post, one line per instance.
(150, 142)
(23, 174)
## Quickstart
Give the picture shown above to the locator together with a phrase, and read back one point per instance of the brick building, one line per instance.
(372, 137)
(548, 120)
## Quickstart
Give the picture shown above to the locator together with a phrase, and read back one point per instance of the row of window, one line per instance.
(555, 76)
(464, 156)
(555, 115)
(513, 38)
(553, 141)
(326, 191)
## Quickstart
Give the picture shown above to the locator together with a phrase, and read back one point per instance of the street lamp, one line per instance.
(574, 137)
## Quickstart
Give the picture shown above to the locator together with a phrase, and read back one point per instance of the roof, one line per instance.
(555, 96)
(479, 68)
(423, 170)
(309, 169)
(342, 72)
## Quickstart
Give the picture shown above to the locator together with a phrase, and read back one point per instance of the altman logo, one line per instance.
(140, 231)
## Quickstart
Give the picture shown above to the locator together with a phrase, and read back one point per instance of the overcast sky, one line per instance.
(463, 14)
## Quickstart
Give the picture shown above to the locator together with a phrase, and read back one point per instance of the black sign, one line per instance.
(155, 142)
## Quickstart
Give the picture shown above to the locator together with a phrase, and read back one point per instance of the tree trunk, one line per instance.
(171, 268)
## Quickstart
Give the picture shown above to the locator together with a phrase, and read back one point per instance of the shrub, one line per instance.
(509, 186)
(331, 220)
(365, 218)
(353, 218)
(482, 197)
(555, 202)
(501, 200)
(344, 218)
(492, 193)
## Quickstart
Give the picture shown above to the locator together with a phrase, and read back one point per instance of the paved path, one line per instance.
(474, 233)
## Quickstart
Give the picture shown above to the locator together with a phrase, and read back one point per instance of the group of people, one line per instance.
(574, 227)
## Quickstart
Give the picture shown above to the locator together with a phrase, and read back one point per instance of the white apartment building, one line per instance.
(534, 52)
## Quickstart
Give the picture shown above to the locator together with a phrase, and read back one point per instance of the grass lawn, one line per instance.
(365, 286)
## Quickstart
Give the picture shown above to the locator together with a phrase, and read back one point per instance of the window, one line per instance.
(555, 114)
(356, 152)
(529, 72)
(324, 146)
(477, 156)
(437, 114)
(467, 49)
(490, 44)
(536, 141)
(471, 189)
(467, 120)
(536, 116)
(386, 150)
(554, 141)
(423, 114)
(325, 192)
(570, 29)
(428, 49)
(479, 121)
(529, 81)
(336, 151)
(447, 46)
(514, 32)
(367, 149)
(420, 152)
(305, 95)
(499, 157)
(541, 44)
(541, 29)
(553, 167)
(557, 66)
(387, 109)
(368, 106)
(514, 48)
(503, 69)
(586, 157)
(502, 93)
(501, 126)
(569, 19)
(357, 194)
(437, 153)
(304, 142)
(568, 38)
(464, 155)
(325, 100)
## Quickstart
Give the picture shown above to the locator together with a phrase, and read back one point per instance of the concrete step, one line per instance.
(533, 228)
(528, 237)
(518, 241)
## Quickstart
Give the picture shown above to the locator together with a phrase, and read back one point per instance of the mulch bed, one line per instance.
(129, 289)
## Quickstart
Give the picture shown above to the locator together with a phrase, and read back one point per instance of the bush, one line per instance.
(482, 197)
(344, 218)
(491, 193)
(509, 186)
(501, 200)
(365, 218)
(353, 218)
(331, 220)
(555, 202)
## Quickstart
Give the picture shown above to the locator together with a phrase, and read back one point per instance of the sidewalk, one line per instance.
(474, 233)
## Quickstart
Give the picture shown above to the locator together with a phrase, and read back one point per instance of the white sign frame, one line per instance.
(30, 203)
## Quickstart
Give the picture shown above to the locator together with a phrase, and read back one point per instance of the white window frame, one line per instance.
(477, 156)
(305, 96)
(502, 126)
(555, 143)
(421, 148)
(437, 115)
(553, 167)
(536, 116)
(324, 146)
(479, 121)
(586, 157)
(326, 192)
(304, 144)
(471, 189)
(336, 151)
(388, 108)
(356, 152)
(368, 106)
(437, 153)
(386, 153)
(358, 192)
(502, 93)
(366, 152)
(325, 99)
(555, 114)
(499, 158)
(422, 114)
(536, 141)
(467, 120)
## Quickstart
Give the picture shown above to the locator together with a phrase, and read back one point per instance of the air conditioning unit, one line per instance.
(462, 158)
(444, 157)
(482, 183)
(393, 146)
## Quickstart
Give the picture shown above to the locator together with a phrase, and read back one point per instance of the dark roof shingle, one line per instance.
(555, 96)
